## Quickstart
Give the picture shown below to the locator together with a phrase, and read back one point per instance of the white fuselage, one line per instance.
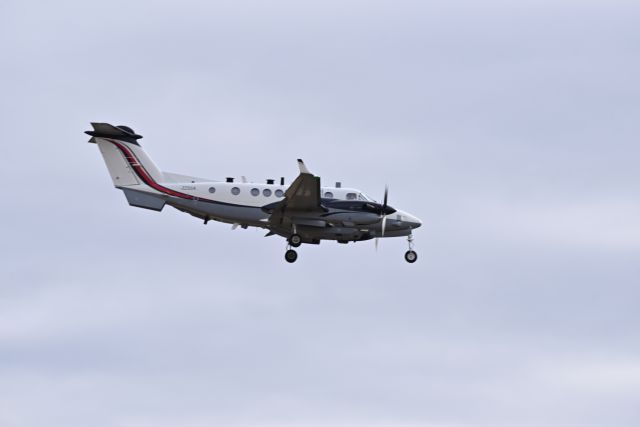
(251, 194)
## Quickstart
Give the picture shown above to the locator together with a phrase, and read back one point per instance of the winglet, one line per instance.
(303, 168)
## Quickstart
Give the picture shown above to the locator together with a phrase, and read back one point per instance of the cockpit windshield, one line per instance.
(364, 197)
(351, 195)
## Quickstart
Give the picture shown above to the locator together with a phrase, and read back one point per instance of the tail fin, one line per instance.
(127, 162)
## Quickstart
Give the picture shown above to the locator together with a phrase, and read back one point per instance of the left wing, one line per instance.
(301, 199)
(304, 193)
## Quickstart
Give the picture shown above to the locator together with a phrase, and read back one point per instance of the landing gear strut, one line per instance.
(410, 256)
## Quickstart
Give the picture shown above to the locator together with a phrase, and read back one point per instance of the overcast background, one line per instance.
(510, 128)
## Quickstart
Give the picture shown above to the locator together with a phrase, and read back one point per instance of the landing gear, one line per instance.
(295, 240)
(291, 256)
(410, 256)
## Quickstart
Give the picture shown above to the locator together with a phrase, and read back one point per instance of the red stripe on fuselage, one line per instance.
(144, 175)
(147, 179)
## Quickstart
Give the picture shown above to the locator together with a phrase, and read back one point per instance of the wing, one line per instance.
(304, 193)
(301, 199)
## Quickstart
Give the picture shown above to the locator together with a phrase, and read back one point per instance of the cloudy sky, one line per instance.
(510, 128)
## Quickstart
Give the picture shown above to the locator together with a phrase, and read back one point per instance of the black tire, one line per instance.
(295, 240)
(411, 257)
(291, 255)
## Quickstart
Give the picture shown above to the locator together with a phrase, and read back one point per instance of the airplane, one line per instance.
(303, 212)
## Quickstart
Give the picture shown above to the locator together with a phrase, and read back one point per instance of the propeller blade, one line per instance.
(384, 225)
(386, 194)
(383, 214)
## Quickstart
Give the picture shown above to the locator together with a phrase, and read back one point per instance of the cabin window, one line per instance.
(212, 190)
(328, 195)
(279, 193)
(255, 192)
(235, 191)
(266, 192)
(352, 196)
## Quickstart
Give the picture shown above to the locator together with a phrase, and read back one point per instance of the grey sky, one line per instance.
(510, 129)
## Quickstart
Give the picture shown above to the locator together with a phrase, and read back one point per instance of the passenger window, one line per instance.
(352, 196)
(235, 191)
(279, 193)
(328, 195)
(255, 192)
(266, 192)
(212, 190)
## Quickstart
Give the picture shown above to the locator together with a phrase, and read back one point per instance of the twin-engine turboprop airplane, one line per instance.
(304, 212)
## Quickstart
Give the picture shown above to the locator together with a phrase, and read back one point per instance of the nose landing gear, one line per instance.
(410, 256)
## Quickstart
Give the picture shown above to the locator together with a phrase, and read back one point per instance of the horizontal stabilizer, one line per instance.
(105, 130)
(144, 200)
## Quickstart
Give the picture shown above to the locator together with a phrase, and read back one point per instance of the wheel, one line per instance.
(291, 255)
(411, 257)
(295, 240)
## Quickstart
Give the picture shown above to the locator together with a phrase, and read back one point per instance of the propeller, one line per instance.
(384, 209)
(382, 213)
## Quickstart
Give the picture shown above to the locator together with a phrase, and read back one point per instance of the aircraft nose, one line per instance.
(414, 221)
(410, 220)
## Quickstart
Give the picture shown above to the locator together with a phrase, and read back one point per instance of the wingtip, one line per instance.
(302, 166)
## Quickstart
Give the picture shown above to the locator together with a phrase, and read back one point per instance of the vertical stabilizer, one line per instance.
(127, 162)
(120, 171)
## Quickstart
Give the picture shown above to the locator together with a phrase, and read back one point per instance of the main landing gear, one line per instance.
(410, 256)
(291, 255)
(295, 240)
